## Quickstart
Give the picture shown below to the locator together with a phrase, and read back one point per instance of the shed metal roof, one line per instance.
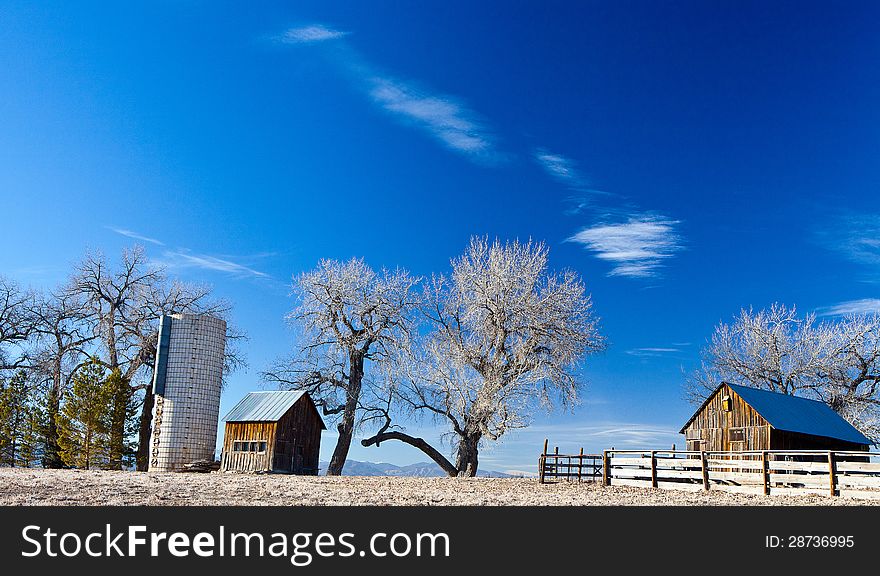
(267, 406)
(796, 414)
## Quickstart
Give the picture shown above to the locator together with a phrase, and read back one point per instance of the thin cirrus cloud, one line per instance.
(136, 236)
(856, 237)
(445, 118)
(636, 248)
(652, 352)
(186, 259)
(310, 34)
(441, 116)
(624, 434)
(566, 172)
(569, 437)
(852, 307)
(560, 168)
(183, 258)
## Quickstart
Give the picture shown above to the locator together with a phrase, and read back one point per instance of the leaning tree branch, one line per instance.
(419, 443)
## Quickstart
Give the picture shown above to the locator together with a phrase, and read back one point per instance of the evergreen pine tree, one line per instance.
(119, 420)
(7, 438)
(16, 413)
(32, 438)
(82, 422)
(51, 453)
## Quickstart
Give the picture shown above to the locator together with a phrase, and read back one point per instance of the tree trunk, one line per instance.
(118, 413)
(346, 425)
(145, 430)
(467, 455)
(87, 445)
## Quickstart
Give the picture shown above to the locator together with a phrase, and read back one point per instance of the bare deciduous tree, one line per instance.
(836, 361)
(350, 317)
(124, 305)
(772, 349)
(504, 336)
(62, 334)
(853, 371)
(16, 324)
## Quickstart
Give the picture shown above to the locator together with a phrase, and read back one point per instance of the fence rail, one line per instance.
(572, 467)
(832, 473)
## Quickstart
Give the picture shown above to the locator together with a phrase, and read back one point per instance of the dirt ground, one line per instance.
(84, 487)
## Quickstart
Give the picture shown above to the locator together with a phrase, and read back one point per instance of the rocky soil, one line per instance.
(85, 487)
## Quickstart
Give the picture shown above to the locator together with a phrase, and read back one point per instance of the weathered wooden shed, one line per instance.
(276, 431)
(740, 418)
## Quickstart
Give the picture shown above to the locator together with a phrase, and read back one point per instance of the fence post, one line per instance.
(606, 474)
(580, 464)
(541, 460)
(765, 472)
(832, 472)
(653, 469)
(705, 470)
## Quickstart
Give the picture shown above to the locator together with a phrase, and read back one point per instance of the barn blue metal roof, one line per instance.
(796, 414)
(267, 406)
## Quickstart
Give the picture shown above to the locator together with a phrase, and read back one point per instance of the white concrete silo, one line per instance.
(187, 380)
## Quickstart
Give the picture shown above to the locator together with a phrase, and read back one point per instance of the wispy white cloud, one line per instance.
(636, 248)
(559, 167)
(854, 236)
(595, 437)
(565, 171)
(136, 236)
(858, 307)
(310, 34)
(443, 117)
(185, 259)
(519, 449)
(651, 352)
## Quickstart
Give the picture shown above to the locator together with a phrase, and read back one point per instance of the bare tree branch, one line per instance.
(836, 361)
(351, 319)
(503, 335)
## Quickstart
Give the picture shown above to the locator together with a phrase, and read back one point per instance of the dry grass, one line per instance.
(85, 487)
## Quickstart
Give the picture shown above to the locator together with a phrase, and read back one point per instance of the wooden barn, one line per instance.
(273, 432)
(739, 418)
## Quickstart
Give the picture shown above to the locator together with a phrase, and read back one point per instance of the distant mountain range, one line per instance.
(419, 470)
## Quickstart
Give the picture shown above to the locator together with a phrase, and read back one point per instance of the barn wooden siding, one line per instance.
(298, 439)
(252, 432)
(712, 427)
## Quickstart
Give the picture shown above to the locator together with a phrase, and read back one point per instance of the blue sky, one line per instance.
(686, 158)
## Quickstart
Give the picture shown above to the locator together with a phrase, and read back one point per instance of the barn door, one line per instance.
(736, 438)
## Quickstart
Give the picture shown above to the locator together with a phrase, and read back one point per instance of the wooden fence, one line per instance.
(573, 467)
(853, 474)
